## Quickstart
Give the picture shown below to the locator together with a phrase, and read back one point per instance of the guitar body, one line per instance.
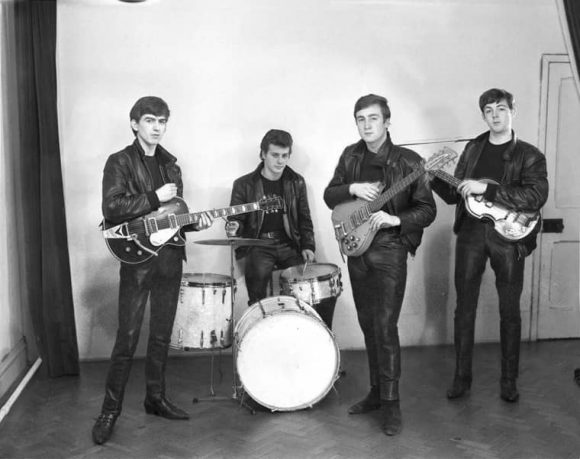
(128, 251)
(355, 242)
(509, 224)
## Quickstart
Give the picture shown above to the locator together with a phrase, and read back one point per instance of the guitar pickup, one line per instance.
(151, 226)
(173, 221)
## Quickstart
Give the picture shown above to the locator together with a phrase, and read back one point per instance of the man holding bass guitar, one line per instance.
(519, 188)
(137, 181)
(378, 275)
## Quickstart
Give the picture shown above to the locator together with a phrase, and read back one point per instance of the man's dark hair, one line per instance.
(276, 137)
(149, 105)
(373, 99)
(494, 95)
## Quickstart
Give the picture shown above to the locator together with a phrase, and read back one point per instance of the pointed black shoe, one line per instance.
(164, 408)
(103, 428)
(460, 388)
(509, 391)
(392, 417)
(370, 403)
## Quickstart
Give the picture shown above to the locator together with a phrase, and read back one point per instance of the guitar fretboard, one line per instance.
(150, 225)
(452, 180)
(363, 213)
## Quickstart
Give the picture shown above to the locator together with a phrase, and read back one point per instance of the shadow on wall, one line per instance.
(438, 275)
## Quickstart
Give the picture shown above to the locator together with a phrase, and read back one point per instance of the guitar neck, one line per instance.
(187, 219)
(450, 179)
(378, 203)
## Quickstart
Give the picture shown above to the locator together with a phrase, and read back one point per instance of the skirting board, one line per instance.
(8, 405)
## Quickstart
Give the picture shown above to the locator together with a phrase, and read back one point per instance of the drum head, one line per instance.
(318, 271)
(287, 360)
(205, 280)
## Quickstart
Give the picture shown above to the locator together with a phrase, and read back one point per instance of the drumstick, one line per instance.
(304, 268)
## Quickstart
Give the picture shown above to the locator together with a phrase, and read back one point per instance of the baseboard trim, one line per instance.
(5, 409)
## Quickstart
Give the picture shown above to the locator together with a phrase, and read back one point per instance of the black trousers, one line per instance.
(159, 278)
(476, 243)
(378, 280)
(262, 260)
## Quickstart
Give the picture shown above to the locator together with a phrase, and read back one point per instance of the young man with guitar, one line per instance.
(507, 177)
(137, 181)
(291, 231)
(379, 274)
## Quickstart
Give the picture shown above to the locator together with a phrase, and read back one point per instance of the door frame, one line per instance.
(547, 60)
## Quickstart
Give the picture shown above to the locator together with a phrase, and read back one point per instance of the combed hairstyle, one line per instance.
(373, 99)
(494, 95)
(149, 105)
(276, 137)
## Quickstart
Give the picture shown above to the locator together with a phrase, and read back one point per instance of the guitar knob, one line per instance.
(352, 238)
(127, 249)
(175, 238)
(355, 245)
(139, 252)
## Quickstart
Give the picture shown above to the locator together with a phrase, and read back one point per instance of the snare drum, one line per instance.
(286, 357)
(313, 284)
(203, 319)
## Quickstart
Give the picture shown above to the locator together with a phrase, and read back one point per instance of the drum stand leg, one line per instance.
(212, 395)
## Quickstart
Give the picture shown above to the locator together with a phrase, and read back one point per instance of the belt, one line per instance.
(278, 235)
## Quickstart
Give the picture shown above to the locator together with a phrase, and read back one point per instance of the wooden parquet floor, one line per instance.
(53, 418)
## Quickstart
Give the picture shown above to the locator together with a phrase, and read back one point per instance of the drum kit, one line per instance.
(284, 354)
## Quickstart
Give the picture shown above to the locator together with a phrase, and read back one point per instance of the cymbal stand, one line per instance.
(235, 388)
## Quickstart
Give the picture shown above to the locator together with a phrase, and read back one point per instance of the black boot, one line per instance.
(460, 388)
(164, 408)
(509, 391)
(370, 403)
(392, 417)
(103, 428)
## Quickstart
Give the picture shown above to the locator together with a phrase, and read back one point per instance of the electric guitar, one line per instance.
(139, 239)
(350, 219)
(510, 224)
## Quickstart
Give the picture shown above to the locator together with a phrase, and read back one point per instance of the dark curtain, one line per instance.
(42, 235)
(572, 8)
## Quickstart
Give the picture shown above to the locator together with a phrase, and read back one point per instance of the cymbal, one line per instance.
(235, 241)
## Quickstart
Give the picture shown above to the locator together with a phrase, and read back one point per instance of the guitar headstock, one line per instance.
(271, 203)
(440, 159)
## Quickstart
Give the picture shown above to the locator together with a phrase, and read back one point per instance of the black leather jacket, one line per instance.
(127, 184)
(523, 187)
(297, 221)
(414, 205)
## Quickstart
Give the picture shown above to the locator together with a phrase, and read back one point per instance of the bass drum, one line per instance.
(286, 357)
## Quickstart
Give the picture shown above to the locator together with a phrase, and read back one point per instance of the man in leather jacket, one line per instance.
(519, 170)
(136, 181)
(290, 230)
(378, 276)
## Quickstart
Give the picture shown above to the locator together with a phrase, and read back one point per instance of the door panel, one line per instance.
(558, 261)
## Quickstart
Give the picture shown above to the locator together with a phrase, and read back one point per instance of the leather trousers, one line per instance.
(158, 279)
(260, 263)
(476, 243)
(378, 279)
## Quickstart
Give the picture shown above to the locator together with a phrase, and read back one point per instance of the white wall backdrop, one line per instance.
(231, 70)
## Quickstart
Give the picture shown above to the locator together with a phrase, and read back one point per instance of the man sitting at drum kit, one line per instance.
(137, 181)
(290, 231)
(379, 274)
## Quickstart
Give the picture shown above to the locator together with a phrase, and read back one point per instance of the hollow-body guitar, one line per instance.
(512, 225)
